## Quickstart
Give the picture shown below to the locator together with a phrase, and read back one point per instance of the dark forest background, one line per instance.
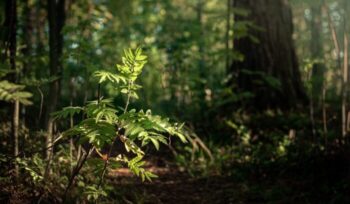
(227, 101)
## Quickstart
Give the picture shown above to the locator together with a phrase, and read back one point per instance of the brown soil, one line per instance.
(173, 186)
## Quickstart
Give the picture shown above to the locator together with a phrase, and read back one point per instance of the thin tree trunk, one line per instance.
(28, 36)
(28, 39)
(312, 111)
(56, 21)
(334, 35)
(345, 83)
(201, 61)
(316, 49)
(40, 18)
(15, 132)
(71, 122)
(337, 49)
(344, 88)
(318, 69)
(228, 28)
(324, 114)
(11, 18)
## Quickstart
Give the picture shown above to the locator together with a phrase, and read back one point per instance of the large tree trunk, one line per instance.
(56, 22)
(274, 55)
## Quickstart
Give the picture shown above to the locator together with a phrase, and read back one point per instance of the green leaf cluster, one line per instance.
(104, 124)
(135, 166)
(11, 92)
(33, 166)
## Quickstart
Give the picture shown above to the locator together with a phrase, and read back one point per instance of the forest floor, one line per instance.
(173, 186)
(307, 180)
(322, 180)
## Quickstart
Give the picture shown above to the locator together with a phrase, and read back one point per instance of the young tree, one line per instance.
(270, 69)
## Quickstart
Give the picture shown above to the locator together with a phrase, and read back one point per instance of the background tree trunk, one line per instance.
(40, 18)
(28, 35)
(273, 55)
(28, 40)
(316, 49)
(318, 68)
(56, 16)
(10, 49)
(201, 44)
(227, 34)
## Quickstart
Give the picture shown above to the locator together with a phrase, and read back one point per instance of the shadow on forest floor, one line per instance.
(173, 186)
(319, 181)
(308, 179)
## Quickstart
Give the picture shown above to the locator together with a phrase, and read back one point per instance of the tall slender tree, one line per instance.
(227, 34)
(316, 48)
(56, 15)
(318, 68)
(8, 54)
(345, 81)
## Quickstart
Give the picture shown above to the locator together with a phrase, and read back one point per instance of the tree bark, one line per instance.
(56, 15)
(40, 18)
(227, 34)
(27, 51)
(10, 49)
(274, 55)
(318, 68)
(316, 49)
(28, 36)
(345, 87)
(201, 43)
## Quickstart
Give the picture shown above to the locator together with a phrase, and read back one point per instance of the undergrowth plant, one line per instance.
(11, 92)
(104, 125)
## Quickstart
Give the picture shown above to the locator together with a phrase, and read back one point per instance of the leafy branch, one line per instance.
(11, 92)
(103, 124)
